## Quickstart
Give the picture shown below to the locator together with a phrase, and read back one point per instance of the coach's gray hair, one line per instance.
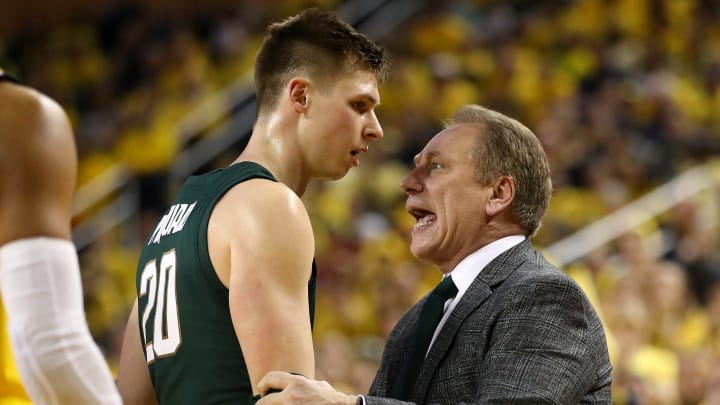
(508, 148)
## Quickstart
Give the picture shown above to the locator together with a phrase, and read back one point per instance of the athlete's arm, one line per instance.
(58, 361)
(38, 165)
(271, 247)
(133, 376)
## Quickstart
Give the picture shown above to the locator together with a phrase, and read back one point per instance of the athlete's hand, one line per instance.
(299, 390)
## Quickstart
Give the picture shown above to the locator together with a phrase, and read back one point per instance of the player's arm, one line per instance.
(271, 255)
(133, 376)
(58, 361)
(38, 166)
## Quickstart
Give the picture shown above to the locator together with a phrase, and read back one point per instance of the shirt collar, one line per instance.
(465, 272)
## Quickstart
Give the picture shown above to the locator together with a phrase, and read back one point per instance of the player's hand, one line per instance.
(299, 390)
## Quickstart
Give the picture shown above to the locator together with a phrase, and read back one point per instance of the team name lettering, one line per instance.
(172, 222)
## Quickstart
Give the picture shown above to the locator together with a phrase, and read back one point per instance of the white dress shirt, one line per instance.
(465, 272)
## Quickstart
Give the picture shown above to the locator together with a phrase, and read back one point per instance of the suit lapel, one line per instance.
(480, 289)
(396, 347)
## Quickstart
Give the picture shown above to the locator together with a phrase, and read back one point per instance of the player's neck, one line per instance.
(278, 154)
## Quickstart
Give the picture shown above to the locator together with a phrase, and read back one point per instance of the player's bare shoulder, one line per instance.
(255, 218)
(38, 164)
(26, 108)
(265, 203)
(34, 132)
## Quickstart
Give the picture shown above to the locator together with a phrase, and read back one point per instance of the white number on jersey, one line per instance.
(159, 283)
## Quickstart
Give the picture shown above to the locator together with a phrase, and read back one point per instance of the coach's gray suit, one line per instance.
(523, 333)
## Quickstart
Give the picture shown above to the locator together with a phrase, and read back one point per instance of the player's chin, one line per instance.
(337, 174)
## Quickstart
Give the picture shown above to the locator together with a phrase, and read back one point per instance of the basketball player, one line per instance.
(58, 361)
(226, 280)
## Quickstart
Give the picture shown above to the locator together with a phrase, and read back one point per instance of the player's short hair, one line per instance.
(317, 44)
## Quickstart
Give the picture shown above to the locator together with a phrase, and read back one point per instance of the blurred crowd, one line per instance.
(624, 95)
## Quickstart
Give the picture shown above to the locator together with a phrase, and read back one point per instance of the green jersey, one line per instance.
(190, 345)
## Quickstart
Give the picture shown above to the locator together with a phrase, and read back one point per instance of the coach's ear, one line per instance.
(501, 197)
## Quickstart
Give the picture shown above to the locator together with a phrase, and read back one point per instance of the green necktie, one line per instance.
(430, 315)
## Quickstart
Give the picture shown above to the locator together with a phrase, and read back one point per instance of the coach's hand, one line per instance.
(298, 390)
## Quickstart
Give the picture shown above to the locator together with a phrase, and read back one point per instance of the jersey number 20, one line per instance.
(158, 281)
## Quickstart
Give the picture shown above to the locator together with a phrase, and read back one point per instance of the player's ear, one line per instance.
(298, 93)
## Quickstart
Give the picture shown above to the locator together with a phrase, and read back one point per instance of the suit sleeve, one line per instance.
(370, 400)
(547, 347)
